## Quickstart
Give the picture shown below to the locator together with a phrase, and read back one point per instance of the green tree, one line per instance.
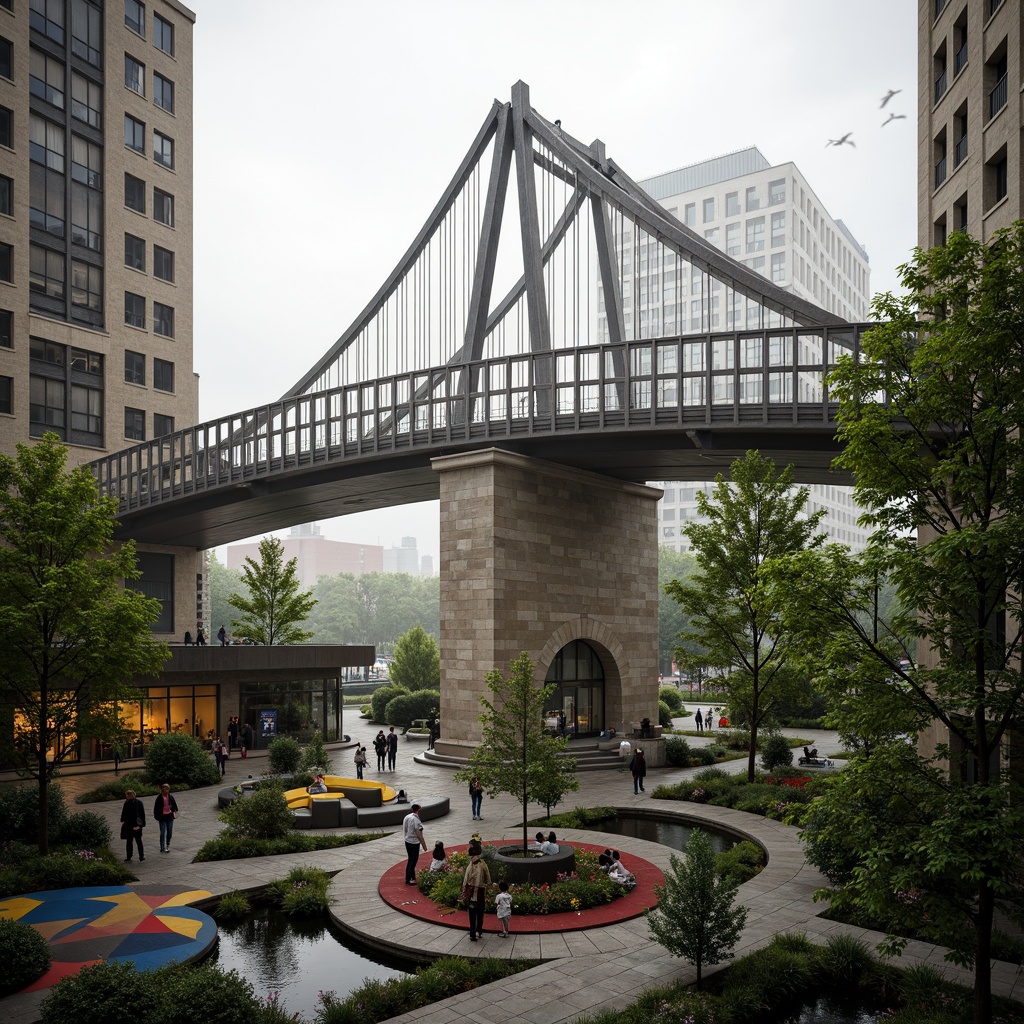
(222, 583)
(275, 607)
(937, 464)
(417, 661)
(517, 755)
(335, 618)
(695, 917)
(72, 635)
(672, 620)
(736, 613)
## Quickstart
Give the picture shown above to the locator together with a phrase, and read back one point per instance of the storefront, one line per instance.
(579, 694)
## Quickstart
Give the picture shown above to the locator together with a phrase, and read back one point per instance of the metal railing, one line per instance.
(774, 377)
(961, 59)
(940, 172)
(940, 86)
(997, 97)
(960, 151)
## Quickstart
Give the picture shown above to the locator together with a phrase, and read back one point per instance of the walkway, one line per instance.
(593, 970)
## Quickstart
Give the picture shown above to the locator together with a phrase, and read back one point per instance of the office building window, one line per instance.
(134, 424)
(135, 16)
(86, 32)
(7, 395)
(732, 204)
(711, 235)
(162, 425)
(163, 375)
(995, 181)
(960, 214)
(6, 195)
(46, 200)
(135, 75)
(46, 406)
(86, 286)
(86, 217)
(6, 262)
(46, 78)
(156, 580)
(709, 210)
(755, 234)
(778, 266)
(86, 100)
(778, 229)
(47, 18)
(46, 272)
(776, 192)
(163, 207)
(48, 352)
(6, 127)
(134, 310)
(134, 368)
(134, 252)
(690, 214)
(163, 320)
(6, 328)
(163, 149)
(134, 134)
(134, 193)
(163, 35)
(46, 143)
(753, 202)
(732, 239)
(163, 263)
(87, 413)
(6, 58)
(86, 162)
(163, 92)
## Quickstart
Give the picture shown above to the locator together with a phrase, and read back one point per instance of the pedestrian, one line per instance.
(200, 636)
(360, 760)
(248, 737)
(232, 732)
(638, 769)
(412, 830)
(503, 906)
(165, 810)
(133, 821)
(474, 890)
(380, 748)
(698, 721)
(220, 755)
(392, 739)
(222, 636)
(188, 638)
(115, 751)
(476, 795)
(707, 720)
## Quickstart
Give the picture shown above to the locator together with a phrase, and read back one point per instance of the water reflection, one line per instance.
(672, 834)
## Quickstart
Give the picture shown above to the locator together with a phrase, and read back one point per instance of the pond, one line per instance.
(673, 834)
(832, 1010)
(298, 959)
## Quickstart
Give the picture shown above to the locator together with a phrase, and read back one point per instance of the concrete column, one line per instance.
(533, 555)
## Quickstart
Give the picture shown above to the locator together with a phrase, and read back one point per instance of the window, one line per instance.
(996, 81)
(134, 424)
(755, 234)
(163, 149)
(86, 100)
(960, 133)
(134, 368)
(690, 214)
(163, 263)
(86, 217)
(46, 78)
(46, 272)
(163, 35)
(778, 229)
(87, 412)
(753, 203)
(134, 252)
(135, 75)
(6, 58)
(778, 266)
(163, 92)
(156, 580)
(86, 286)
(134, 310)
(6, 127)
(134, 193)
(6, 262)
(732, 239)
(6, 328)
(7, 395)
(711, 235)
(86, 162)
(709, 210)
(995, 181)
(163, 207)
(86, 33)
(48, 352)
(135, 16)
(163, 320)
(47, 18)
(46, 406)
(163, 375)
(134, 134)
(960, 214)
(776, 192)
(46, 143)
(162, 425)
(6, 195)
(732, 204)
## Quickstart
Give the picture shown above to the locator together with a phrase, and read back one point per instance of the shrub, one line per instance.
(24, 954)
(380, 699)
(314, 755)
(741, 863)
(19, 813)
(845, 958)
(23, 870)
(264, 815)
(113, 789)
(226, 847)
(734, 739)
(219, 997)
(106, 993)
(671, 696)
(176, 757)
(664, 715)
(580, 817)
(402, 710)
(232, 905)
(677, 752)
(303, 893)
(85, 830)
(284, 756)
(776, 752)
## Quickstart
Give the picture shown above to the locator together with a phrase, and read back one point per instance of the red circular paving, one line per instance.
(409, 900)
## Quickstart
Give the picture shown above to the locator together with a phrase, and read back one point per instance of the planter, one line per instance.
(534, 868)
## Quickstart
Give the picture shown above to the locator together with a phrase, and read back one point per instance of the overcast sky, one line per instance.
(325, 131)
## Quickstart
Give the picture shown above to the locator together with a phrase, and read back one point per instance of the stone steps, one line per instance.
(589, 758)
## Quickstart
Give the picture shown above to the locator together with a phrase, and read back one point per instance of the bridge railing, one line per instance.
(744, 377)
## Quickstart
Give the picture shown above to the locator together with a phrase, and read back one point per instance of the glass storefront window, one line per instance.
(579, 695)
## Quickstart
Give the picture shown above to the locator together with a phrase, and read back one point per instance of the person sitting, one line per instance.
(604, 861)
(439, 859)
(550, 844)
(538, 843)
(319, 786)
(618, 872)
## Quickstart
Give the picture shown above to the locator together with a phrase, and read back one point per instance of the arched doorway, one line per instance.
(579, 694)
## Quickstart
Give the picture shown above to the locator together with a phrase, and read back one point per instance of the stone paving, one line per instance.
(585, 971)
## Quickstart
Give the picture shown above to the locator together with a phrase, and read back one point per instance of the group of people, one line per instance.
(133, 821)
(542, 845)
(704, 721)
(386, 749)
(610, 862)
(200, 640)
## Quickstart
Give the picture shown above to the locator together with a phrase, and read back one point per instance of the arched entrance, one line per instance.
(579, 694)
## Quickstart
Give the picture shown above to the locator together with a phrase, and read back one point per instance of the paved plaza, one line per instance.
(585, 971)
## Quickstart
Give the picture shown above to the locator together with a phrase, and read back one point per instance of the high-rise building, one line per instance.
(969, 140)
(769, 218)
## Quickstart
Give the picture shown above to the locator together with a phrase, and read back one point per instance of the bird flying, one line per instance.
(894, 117)
(845, 140)
(888, 96)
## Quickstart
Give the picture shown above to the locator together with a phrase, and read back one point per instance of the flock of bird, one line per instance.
(847, 141)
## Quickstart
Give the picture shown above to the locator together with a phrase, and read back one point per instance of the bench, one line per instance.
(326, 811)
(811, 760)
(394, 814)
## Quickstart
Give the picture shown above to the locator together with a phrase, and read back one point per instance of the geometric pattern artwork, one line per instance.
(150, 925)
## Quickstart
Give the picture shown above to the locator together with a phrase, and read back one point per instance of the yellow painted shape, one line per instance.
(17, 907)
(125, 907)
(183, 899)
(181, 925)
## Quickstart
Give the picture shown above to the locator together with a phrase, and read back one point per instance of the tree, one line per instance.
(335, 618)
(276, 606)
(672, 565)
(517, 754)
(695, 918)
(937, 463)
(735, 610)
(222, 583)
(72, 635)
(417, 661)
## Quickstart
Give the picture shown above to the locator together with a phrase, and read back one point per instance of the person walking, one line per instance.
(503, 906)
(200, 636)
(380, 748)
(707, 720)
(638, 769)
(232, 732)
(248, 737)
(133, 821)
(698, 721)
(220, 756)
(222, 636)
(392, 739)
(412, 830)
(360, 760)
(476, 796)
(115, 750)
(165, 810)
(474, 890)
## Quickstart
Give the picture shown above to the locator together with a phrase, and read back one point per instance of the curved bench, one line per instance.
(394, 814)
